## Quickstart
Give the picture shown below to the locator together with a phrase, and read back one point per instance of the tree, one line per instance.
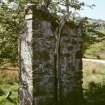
(35, 62)
(8, 33)
(12, 16)
(12, 24)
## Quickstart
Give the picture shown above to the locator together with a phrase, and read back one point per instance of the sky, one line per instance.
(98, 12)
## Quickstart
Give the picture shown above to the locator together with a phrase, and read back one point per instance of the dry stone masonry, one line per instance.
(40, 84)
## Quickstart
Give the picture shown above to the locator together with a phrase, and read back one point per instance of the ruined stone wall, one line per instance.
(39, 60)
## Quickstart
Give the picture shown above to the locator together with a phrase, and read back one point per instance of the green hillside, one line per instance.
(94, 39)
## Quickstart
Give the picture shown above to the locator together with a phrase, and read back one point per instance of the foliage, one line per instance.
(12, 18)
(10, 26)
(95, 95)
(93, 32)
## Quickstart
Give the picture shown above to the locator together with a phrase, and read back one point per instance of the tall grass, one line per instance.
(94, 83)
(8, 84)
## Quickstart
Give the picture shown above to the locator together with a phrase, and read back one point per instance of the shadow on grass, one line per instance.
(2, 92)
(95, 94)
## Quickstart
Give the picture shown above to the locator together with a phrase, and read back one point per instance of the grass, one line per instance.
(93, 72)
(8, 84)
(93, 85)
(96, 50)
(4, 90)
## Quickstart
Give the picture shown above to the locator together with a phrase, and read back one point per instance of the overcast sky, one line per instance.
(97, 12)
